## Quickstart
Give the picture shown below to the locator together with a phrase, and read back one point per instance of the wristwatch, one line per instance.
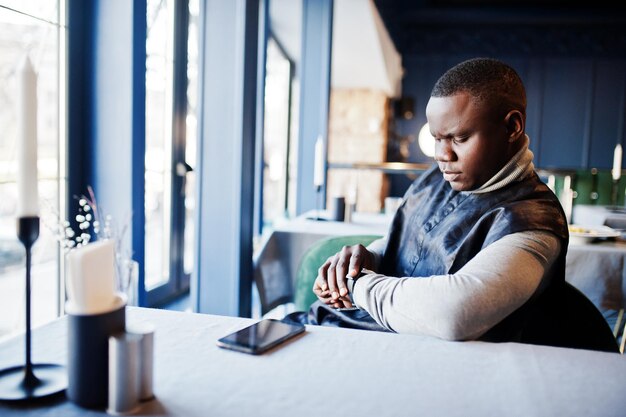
(350, 281)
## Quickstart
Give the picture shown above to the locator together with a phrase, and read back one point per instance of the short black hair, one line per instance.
(488, 80)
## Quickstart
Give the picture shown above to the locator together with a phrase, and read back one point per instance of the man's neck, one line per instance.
(518, 167)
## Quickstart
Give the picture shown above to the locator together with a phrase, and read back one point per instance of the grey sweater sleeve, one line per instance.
(464, 305)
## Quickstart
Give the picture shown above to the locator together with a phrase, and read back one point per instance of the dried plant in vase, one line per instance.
(93, 223)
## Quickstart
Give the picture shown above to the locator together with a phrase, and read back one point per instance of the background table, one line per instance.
(347, 372)
(276, 262)
(592, 215)
(599, 271)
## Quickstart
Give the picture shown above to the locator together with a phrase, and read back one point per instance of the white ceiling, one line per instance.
(363, 55)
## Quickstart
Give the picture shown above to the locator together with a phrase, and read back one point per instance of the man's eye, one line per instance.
(461, 139)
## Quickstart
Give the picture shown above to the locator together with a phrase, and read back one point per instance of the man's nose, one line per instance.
(443, 151)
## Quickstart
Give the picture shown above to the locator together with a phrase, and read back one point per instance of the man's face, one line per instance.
(471, 145)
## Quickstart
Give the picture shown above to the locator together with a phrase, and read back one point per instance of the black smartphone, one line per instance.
(260, 336)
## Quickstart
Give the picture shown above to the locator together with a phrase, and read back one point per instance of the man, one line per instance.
(477, 248)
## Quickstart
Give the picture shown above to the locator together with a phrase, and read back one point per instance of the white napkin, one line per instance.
(91, 278)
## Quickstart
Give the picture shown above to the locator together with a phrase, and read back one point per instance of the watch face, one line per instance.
(351, 280)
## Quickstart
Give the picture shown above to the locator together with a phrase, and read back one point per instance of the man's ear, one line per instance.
(514, 121)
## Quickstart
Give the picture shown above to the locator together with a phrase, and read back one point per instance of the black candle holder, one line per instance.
(614, 190)
(318, 202)
(19, 383)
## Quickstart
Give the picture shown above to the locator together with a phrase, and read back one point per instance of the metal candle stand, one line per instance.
(318, 204)
(20, 383)
(614, 190)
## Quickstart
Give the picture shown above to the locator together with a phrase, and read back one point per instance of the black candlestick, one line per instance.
(20, 383)
(318, 205)
(614, 190)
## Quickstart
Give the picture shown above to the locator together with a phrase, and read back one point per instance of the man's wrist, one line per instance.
(351, 282)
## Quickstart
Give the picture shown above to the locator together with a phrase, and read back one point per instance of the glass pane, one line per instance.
(286, 27)
(159, 84)
(20, 35)
(276, 133)
(192, 135)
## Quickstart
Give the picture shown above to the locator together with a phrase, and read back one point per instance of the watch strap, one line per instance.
(351, 281)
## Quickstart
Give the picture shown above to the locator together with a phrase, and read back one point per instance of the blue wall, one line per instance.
(106, 112)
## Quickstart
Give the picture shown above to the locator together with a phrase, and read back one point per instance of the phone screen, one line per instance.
(260, 336)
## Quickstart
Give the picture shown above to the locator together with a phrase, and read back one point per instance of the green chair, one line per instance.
(313, 258)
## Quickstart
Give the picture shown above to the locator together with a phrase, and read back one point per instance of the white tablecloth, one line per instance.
(591, 215)
(599, 271)
(332, 371)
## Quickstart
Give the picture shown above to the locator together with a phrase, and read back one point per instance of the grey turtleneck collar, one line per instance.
(518, 168)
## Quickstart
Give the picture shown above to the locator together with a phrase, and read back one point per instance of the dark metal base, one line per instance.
(50, 379)
(28, 230)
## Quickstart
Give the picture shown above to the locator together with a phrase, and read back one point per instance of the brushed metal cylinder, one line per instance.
(146, 354)
(124, 363)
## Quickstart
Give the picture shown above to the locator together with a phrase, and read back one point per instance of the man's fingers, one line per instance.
(331, 279)
(321, 276)
(320, 292)
(342, 270)
(356, 262)
(322, 295)
(317, 290)
(343, 302)
(332, 275)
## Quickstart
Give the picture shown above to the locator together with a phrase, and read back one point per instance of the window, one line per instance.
(36, 28)
(171, 74)
(276, 141)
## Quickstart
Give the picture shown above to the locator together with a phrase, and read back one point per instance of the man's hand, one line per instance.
(330, 284)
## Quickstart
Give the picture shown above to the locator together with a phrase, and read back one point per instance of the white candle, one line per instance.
(27, 192)
(91, 278)
(567, 183)
(616, 172)
(318, 171)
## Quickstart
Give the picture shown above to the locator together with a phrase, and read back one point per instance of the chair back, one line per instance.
(313, 258)
(572, 321)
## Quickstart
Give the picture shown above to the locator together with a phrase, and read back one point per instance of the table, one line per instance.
(592, 215)
(347, 372)
(599, 271)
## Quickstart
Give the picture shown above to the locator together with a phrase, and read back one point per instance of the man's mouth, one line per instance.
(450, 175)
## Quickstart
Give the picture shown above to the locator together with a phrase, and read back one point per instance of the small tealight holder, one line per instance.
(88, 352)
(338, 210)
